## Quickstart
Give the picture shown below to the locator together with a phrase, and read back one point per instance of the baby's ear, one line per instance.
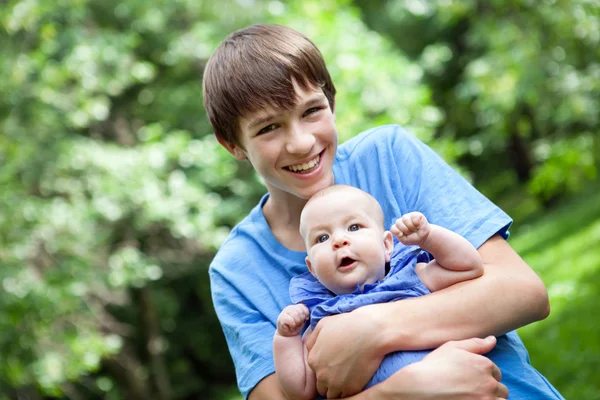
(388, 244)
(309, 265)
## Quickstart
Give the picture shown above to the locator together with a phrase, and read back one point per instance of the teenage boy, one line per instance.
(271, 101)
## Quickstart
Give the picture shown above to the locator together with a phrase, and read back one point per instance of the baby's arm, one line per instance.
(456, 259)
(295, 376)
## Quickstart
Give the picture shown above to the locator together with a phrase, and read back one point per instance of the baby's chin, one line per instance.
(349, 289)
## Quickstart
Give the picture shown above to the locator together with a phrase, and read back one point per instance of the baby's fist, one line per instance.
(292, 319)
(411, 229)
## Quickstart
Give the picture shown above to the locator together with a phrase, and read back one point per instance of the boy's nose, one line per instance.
(299, 140)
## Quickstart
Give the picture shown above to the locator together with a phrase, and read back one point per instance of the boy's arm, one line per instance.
(290, 355)
(507, 296)
(451, 372)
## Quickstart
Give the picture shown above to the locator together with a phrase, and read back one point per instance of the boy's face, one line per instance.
(292, 150)
(346, 246)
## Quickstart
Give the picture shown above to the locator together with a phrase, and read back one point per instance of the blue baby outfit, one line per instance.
(400, 283)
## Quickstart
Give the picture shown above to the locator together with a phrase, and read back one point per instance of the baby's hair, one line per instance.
(255, 68)
(374, 206)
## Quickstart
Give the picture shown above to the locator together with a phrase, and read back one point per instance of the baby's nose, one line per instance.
(340, 242)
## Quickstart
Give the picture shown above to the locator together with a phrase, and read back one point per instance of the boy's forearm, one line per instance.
(508, 295)
(295, 377)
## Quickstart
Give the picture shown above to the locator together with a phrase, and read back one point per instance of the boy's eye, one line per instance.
(353, 227)
(322, 238)
(312, 110)
(266, 129)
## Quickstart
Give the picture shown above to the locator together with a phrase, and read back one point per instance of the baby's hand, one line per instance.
(292, 319)
(411, 229)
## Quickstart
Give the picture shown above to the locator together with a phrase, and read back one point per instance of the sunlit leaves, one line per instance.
(568, 164)
(514, 75)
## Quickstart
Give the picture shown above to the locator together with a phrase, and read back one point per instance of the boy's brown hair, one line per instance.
(255, 68)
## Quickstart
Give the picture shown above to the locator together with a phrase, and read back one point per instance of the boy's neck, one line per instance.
(283, 217)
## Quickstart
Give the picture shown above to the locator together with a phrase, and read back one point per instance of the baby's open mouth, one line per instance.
(346, 261)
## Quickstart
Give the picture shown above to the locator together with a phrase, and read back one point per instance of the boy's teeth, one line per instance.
(305, 166)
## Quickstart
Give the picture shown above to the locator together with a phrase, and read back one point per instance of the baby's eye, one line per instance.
(353, 228)
(322, 238)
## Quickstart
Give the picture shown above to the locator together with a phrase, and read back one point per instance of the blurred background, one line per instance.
(114, 195)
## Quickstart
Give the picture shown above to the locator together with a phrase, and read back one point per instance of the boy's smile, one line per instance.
(292, 150)
(306, 167)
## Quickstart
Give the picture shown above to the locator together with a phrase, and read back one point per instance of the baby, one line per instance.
(352, 262)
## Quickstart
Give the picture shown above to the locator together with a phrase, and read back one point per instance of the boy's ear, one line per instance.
(388, 244)
(232, 148)
(309, 265)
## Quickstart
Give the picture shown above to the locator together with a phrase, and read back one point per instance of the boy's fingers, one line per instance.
(474, 345)
(502, 391)
(312, 338)
(497, 374)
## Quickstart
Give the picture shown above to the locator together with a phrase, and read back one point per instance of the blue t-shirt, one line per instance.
(523, 381)
(251, 272)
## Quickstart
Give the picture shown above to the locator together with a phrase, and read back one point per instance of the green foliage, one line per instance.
(568, 167)
(517, 82)
(115, 195)
(562, 247)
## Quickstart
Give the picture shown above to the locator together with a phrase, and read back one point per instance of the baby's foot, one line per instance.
(292, 319)
(411, 229)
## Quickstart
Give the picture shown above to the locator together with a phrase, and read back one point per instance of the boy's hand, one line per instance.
(292, 319)
(453, 371)
(411, 229)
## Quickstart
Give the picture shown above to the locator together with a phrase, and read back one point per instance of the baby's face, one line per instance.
(346, 246)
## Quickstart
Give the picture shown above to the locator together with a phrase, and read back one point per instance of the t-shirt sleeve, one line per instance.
(429, 185)
(247, 331)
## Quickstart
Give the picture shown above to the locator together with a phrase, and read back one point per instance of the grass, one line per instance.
(563, 247)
